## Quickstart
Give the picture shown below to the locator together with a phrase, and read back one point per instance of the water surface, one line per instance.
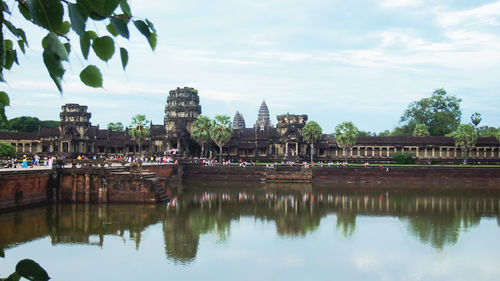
(264, 232)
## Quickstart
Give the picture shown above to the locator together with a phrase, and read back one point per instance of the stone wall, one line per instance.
(20, 188)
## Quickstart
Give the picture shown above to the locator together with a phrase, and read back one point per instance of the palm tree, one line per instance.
(346, 135)
(221, 131)
(139, 129)
(312, 131)
(201, 132)
(465, 137)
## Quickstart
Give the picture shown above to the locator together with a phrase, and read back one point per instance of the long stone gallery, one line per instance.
(261, 142)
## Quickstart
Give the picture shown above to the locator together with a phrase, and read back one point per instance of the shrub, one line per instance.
(7, 150)
(402, 158)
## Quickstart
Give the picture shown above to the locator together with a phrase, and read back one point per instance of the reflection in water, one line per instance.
(437, 220)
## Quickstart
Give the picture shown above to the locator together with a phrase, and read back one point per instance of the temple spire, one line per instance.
(263, 121)
(238, 121)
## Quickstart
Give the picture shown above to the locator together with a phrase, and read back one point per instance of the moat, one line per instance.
(253, 231)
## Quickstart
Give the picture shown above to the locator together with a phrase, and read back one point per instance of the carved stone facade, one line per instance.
(182, 109)
(264, 142)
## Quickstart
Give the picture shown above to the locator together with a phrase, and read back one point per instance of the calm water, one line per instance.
(264, 232)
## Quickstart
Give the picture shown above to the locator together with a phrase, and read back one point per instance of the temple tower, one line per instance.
(238, 121)
(182, 109)
(263, 121)
(75, 122)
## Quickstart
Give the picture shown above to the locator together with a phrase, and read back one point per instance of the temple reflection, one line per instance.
(296, 210)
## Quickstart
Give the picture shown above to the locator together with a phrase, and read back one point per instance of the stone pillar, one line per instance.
(484, 151)
(433, 152)
(365, 151)
(447, 152)
(373, 151)
(455, 152)
(425, 152)
(296, 148)
(416, 153)
(87, 188)
(286, 149)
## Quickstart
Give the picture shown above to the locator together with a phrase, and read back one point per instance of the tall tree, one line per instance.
(221, 131)
(52, 17)
(312, 132)
(440, 113)
(201, 132)
(475, 119)
(465, 137)
(139, 129)
(116, 127)
(346, 135)
(420, 130)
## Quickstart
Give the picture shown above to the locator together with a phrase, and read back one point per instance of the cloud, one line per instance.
(488, 14)
(400, 3)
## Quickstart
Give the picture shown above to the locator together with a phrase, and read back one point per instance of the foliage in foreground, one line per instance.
(28, 269)
(58, 19)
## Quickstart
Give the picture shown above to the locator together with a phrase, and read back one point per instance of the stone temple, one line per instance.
(263, 142)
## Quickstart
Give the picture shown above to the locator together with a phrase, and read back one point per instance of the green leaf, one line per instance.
(91, 76)
(11, 27)
(152, 41)
(2, 253)
(143, 28)
(68, 47)
(10, 58)
(22, 8)
(13, 277)
(102, 8)
(21, 46)
(120, 26)
(54, 67)
(31, 270)
(22, 35)
(124, 57)
(4, 7)
(46, 13)
(85, 42)
(64, 28)
(55, 46)
(77, 20)
(150, 24)
(104, 47)
(125, 7)
(111, 29)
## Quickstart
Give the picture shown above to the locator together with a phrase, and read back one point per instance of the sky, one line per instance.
(359, 61)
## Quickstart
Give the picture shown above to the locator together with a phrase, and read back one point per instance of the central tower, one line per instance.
(263, 121)
(182, 109)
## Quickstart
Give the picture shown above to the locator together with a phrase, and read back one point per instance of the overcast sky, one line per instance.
(362, 61)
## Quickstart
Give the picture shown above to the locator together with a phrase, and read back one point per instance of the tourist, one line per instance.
(25, 162)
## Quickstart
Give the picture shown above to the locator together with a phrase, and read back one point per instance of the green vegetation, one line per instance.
(312, 132)
(26, 124)
(346, 135)
(402, 158)
(465, 137)
(201, 132)
(7, 150)
(139, 129)
(475, 119)
(116, 127)
(421, 130)
(440, 113)
(52, 17)
(220, 132)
